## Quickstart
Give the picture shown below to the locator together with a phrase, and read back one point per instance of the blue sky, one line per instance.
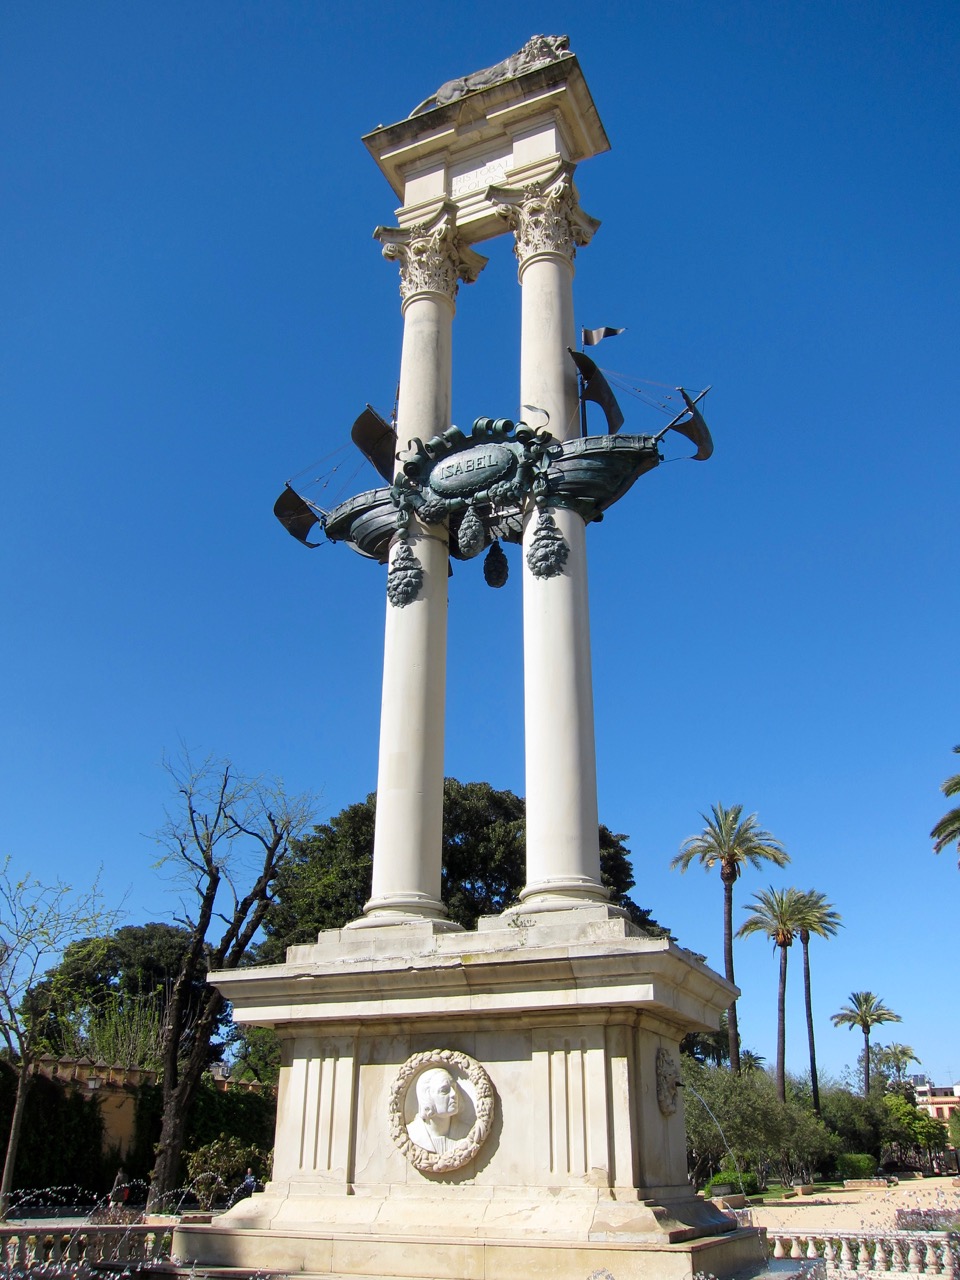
(195, 310)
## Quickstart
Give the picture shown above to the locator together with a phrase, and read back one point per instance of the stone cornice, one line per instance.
(509, 107)
(505, 972)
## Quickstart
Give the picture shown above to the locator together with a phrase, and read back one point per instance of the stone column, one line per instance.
(409, 826)
(563, 856)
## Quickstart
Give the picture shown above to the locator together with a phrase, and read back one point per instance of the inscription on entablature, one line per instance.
(485, 175)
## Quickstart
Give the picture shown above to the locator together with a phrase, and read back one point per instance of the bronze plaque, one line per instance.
(464, 473)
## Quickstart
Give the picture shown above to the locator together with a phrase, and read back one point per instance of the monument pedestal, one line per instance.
(563, 1154)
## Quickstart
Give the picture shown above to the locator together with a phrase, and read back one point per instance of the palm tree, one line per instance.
(728, 841)
(947, 829)
(750, 1061)
(897, 1057)
(777, 913)
(817, 916)
(865, 1010)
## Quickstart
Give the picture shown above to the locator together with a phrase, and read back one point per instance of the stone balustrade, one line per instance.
(864, 1255)
(27, 1247)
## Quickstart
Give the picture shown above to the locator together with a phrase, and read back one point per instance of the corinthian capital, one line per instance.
(431, 256)
(545, 216)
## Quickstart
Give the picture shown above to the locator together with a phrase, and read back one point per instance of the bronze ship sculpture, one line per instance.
(481, 484)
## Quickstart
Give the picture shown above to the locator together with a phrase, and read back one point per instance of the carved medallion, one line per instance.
(441, 1110)
(668, 1082)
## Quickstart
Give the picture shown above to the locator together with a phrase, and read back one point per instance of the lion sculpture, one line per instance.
(537, 52)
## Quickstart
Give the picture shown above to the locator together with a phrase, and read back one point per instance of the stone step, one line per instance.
(244, 1273)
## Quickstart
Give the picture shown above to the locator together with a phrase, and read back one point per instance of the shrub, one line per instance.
(850, 1165)
(217, 1168)
(746, 1182)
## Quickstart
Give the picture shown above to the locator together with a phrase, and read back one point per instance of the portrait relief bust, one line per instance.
(441, 1110)
(434, 1126)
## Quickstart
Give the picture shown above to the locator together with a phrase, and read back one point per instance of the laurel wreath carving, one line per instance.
(465, 1150)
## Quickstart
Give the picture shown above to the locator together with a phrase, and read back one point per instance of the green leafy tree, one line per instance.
(858, 1122)
(806, 1144)
(37, 922)
(108, 995)
(729, 841)
(483, 850)
(124, 1034)
(931, 1134)
(953, 1128)
(777, 913)
(885, 1075)
(865, 1011)
(820, 918)
(912, 1131)
(729, 1117)
(881, 1080)
(712, 1048)
(255, 1054)
(240, 1113)
(132, 962)
(947, 830)
(741, 1117)
(901, 1128)
(323, 883)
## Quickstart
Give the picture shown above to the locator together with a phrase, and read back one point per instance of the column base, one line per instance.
(565, 893)
(405, 908)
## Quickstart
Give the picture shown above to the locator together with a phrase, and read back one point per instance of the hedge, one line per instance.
(61, 1139)
(747, 1183)
(854, 1166)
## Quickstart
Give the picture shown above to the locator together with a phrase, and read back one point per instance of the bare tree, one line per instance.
(37, 922)
(225, 843)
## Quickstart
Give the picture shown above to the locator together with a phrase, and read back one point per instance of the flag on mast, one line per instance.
(590, 337)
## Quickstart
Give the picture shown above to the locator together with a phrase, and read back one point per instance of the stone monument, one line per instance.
(505, 1103)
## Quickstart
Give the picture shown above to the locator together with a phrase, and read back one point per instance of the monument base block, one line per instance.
(498, 1103)
(383, 1257)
